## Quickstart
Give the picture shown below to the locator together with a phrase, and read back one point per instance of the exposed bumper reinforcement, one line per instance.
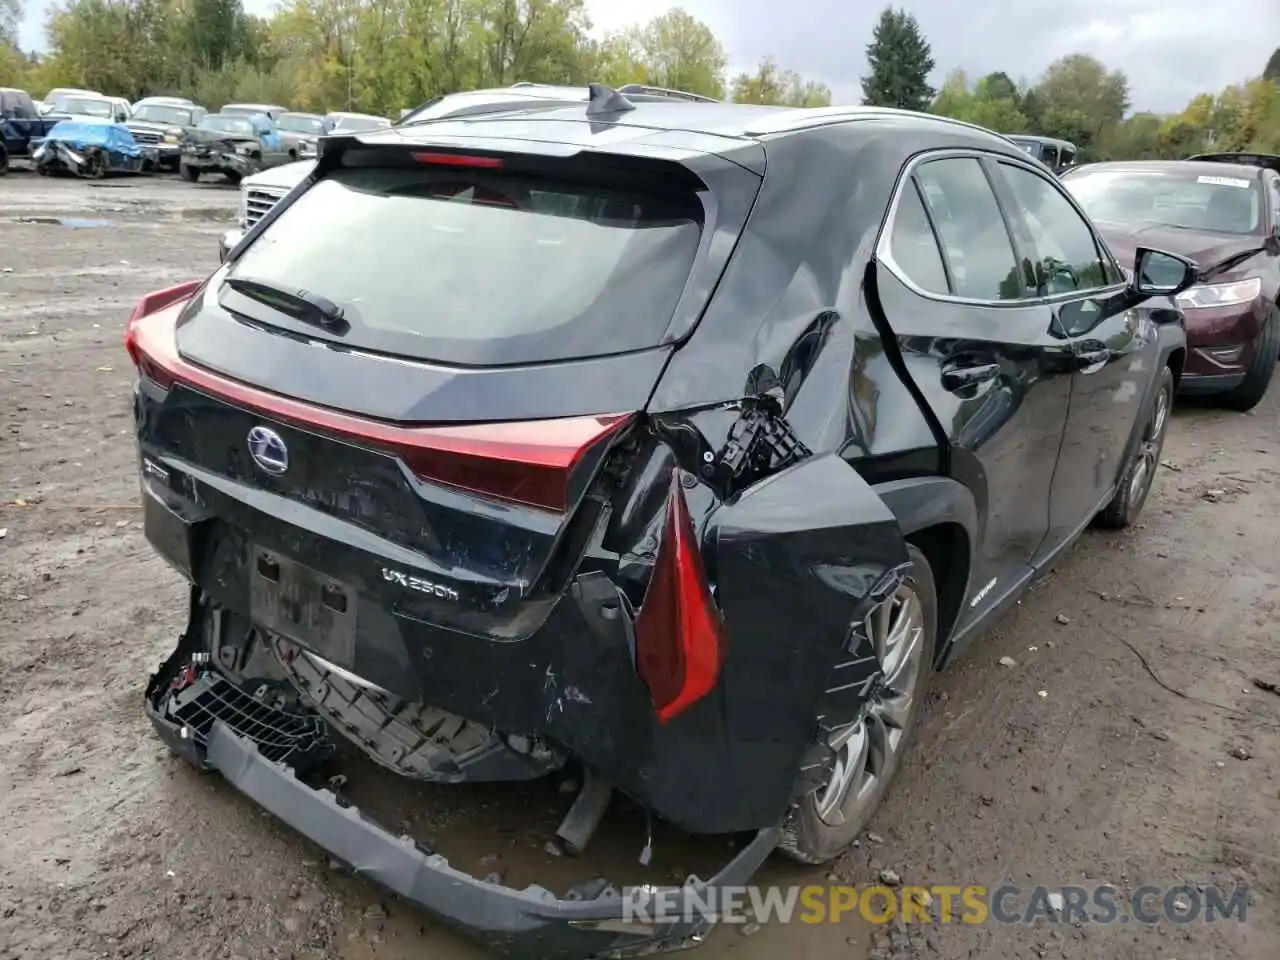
(531, 923)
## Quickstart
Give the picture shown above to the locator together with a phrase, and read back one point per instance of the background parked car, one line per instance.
(163, 123)
(50, 98)
(272, 110)
(20, 124)
(234, 146)
(354, 122)
(300, 131)
(1057, 155)
(1224, 213)
(92, 107)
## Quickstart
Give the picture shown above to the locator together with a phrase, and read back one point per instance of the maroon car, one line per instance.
(1223, 212)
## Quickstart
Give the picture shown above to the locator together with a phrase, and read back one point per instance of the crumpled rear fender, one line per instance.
(798, 559)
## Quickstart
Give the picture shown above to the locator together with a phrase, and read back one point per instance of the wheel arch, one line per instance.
(939, 517)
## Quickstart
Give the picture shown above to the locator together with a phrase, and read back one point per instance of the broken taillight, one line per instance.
(680, 635)
(529, 462)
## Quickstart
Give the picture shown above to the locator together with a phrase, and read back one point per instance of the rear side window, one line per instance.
(914, 247)
(971, 229)
(477, 267)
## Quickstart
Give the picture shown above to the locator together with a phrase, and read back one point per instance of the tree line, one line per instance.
(381, 56)
(377, 56)
(1076, 99)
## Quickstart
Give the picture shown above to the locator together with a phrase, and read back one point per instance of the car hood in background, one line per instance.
(1206, 249)
(284, 177)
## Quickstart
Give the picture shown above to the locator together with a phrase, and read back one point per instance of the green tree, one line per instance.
(991, 103)
(680, 52)
(1272, 69)
(1078, 94)
(997, 86)
(900, 62)
(772, 85)
(10, 19)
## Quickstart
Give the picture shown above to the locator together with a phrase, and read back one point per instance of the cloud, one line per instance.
(1170, 49)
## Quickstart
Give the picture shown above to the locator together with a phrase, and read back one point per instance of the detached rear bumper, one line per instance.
(594, 921)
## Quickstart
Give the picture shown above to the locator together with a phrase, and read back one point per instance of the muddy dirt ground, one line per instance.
(1133, 742)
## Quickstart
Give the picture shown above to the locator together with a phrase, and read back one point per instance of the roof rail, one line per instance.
(665, 92)
(789, 119)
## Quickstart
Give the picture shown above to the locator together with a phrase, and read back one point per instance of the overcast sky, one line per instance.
(1170, 49)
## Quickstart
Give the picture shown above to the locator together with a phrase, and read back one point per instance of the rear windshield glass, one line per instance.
(1187, 198)
(477, 267)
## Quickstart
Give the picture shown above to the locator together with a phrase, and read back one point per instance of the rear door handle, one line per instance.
(1092, 359)
(967, 379)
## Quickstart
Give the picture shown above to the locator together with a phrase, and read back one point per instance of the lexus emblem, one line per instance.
(268, 450)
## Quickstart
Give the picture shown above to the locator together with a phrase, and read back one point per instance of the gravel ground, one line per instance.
(1133, 741)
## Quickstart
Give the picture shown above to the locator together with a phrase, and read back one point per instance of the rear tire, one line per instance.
(1140, 472)
(1248, 393)
(4, 160)
(232, 178)
(825, 823)
(188, 173)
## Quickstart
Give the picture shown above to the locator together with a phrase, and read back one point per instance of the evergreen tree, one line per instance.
(900, 61)
(1272, 71)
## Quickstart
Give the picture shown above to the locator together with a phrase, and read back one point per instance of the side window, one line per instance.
(1275, 202)
(1068, 254)
(971, 230)
(1049, 156)
(914, 247)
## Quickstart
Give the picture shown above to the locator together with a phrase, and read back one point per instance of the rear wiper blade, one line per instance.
(300, 304)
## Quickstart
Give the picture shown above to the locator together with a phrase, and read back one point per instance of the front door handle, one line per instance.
(967, 379)
(1091, 359)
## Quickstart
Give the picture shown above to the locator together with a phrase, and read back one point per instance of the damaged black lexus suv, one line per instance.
(677, 442)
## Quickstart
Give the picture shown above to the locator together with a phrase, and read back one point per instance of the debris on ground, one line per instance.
(1008, 662)
(1063, 619)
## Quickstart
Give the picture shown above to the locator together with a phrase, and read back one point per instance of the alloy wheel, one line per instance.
(867, 750)
(1148, 453)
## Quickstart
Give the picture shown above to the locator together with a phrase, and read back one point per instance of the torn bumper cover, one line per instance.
(217, 728)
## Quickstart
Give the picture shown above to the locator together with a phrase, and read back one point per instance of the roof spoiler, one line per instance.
(1268, 161)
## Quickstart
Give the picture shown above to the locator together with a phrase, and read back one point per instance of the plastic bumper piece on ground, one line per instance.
(530, 923)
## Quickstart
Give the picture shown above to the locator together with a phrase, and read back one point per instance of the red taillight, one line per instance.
(529, 462)
(680, 635)
(458, 160)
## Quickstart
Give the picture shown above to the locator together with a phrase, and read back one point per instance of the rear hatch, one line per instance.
(410, 378)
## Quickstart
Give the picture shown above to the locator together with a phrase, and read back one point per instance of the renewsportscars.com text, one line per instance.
(973, 904)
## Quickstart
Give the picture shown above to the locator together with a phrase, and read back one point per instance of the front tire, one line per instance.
(1140, 472)
(1248, 393)
(903, 631)
(188, 173)
(4, 160)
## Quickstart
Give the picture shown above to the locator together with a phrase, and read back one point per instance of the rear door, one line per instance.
(983, 351)
(1115, 352)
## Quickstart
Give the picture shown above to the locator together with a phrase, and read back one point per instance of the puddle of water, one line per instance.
(76, 223)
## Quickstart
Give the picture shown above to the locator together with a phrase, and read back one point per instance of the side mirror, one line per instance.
(1160, 274)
